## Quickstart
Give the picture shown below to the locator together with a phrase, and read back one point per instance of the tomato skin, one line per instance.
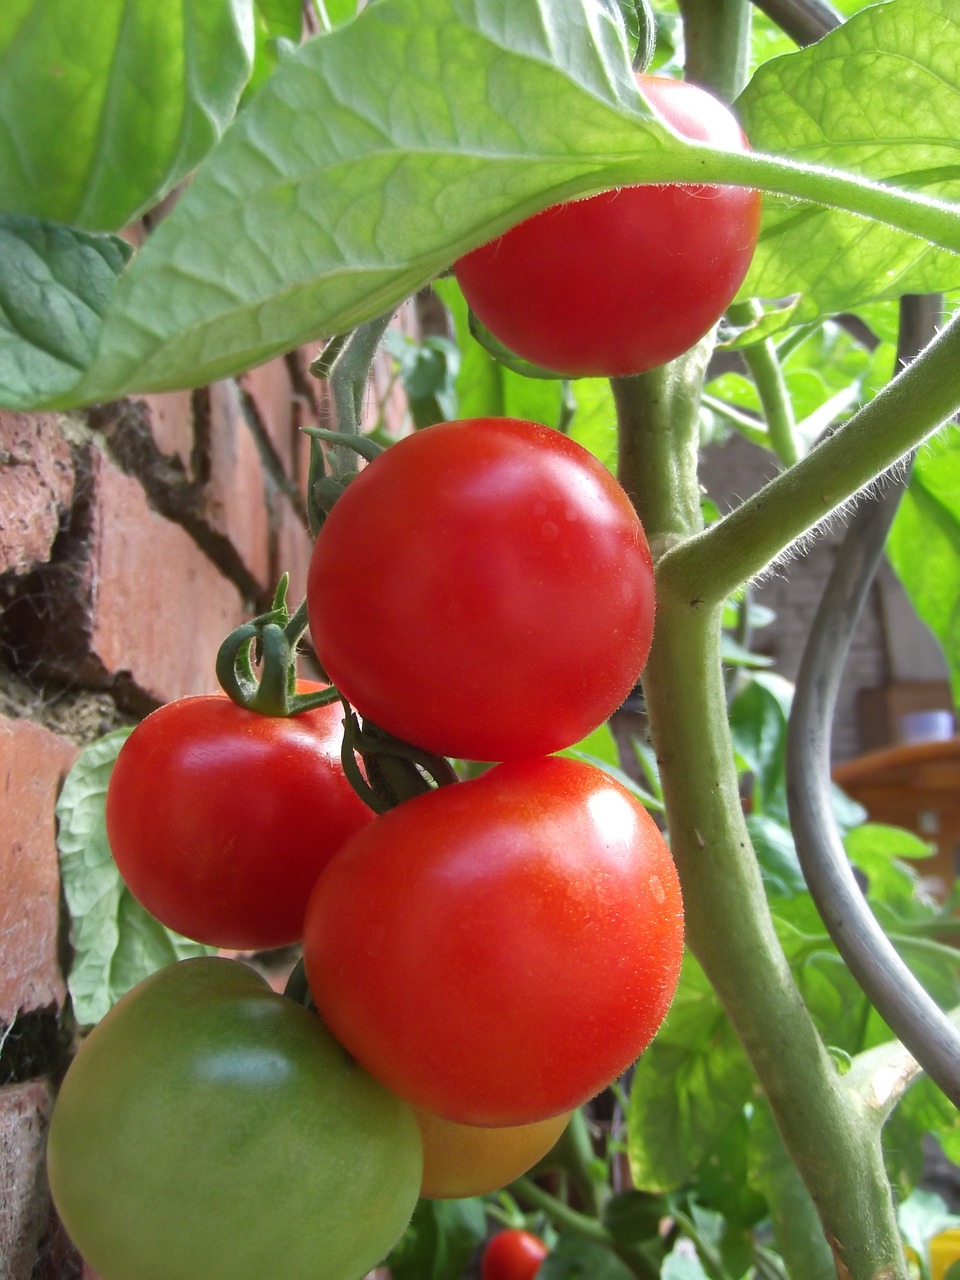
(626, 280)
(465, 1160)
(512, 1255)
(220, 819)
(209, 1127)
(497, 951)
(484, 590)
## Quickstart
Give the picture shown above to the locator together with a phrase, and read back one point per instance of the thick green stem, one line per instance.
(830, 1136)
(717, 41)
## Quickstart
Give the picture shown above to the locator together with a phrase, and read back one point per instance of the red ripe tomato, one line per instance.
(221, 819)
(628, 279)
(512, 1255)
(483, 589)
(499, 950)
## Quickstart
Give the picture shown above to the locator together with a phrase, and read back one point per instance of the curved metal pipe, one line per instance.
(893, 990)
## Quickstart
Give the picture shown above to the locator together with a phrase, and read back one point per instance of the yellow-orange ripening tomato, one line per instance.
(497, 951)
(465, 1160)
(626, 280)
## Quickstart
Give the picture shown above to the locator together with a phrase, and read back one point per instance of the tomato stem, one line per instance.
(272, 639)
(395, 770)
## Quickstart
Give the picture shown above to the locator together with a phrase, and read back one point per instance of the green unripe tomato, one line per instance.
(210, 1129)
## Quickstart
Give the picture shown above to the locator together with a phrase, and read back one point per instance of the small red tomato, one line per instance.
(512, 1255)
(483, 589)
(221, 819)
(628, 279)
(497, 951)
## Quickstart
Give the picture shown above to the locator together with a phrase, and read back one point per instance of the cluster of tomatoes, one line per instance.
(481, 958)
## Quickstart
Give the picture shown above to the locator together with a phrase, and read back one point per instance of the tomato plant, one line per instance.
(625, 280)
(512, 1255)
(370, 160)
(220, 819)
(209, 1127)
(468, 1160)
(483, 589)
(499, 950)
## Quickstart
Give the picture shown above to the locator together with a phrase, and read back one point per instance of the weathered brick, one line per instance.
(36, 486)
(33, 762)
(133, 604)
(25, 1203)
(233, 498)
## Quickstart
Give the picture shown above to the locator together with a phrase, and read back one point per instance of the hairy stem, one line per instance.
(922, 397)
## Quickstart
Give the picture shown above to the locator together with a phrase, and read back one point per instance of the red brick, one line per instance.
(25, 1202)
(234, 499)
(36, 486)
(271, 391)
(170, 417)
(160, 607)
(134, 603)
(33, 762)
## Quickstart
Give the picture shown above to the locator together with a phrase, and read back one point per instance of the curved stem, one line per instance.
(921, 398)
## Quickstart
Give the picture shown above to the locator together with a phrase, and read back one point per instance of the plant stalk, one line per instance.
(829, 1135)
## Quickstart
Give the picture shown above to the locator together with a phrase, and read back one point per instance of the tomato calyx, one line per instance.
(395, 770)
(271, 640)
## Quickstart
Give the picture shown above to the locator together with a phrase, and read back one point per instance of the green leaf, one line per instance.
(924, 544)
(115, 942)
(371, 159)
(634, 1216)
(278, 27)
(922, 1216)
(683, 1264)
(440, 1240)
(575, 1258)
(106, 104)
(55, 285)
(879, 96)
(777, 856)
(428, 371)
(688, 1087)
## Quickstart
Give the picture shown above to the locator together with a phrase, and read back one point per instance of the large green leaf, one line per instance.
(924, 544)
(688, 1088)
(372, 157)
(879, 96)
(55, 285)
(106, 104)
(376, 154)
(115, 943)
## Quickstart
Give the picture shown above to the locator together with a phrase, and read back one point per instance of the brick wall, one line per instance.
(133, 538)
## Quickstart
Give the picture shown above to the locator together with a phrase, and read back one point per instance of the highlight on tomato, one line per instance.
(499, 950)
(626, 280)
(484, 590)
(220, 819)
(209, 1127)
(462, 1160)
